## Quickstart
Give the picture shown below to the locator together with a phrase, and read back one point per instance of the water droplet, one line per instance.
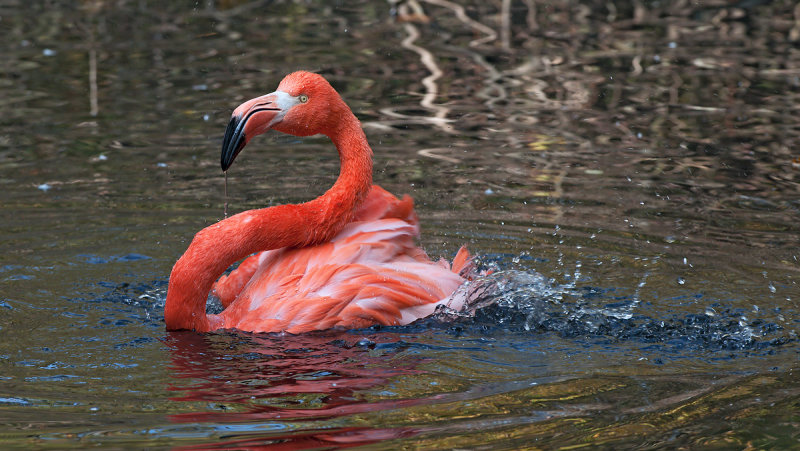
(44, 187)
(102, 157)
(681, 280)
(161, 165)
(49, 52)
(488, 191)
(772, 288)
(672, 45)
(206, 117)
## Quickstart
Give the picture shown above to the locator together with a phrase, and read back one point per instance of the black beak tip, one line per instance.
(232, 143)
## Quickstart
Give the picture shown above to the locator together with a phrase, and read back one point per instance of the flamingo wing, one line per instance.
(371, 272)
(229, 286)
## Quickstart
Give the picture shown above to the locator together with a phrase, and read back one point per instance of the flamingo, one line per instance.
(345, 259)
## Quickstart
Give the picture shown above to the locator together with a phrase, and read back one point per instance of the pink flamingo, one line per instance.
(345, 259)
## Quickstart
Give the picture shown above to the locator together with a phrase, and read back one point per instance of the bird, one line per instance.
(346, 259)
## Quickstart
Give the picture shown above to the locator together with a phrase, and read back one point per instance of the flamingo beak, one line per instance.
(249, 119)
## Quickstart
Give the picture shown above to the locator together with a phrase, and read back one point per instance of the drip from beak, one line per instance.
(251, 118)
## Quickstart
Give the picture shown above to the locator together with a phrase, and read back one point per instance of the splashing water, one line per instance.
(515, 292)
(525, 301)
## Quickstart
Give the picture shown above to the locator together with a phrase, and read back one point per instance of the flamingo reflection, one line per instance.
(299, 380)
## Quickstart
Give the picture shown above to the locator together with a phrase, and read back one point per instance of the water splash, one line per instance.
(526, 301)
(517, 293)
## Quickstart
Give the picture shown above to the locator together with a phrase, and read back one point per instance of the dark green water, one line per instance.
(643, 159)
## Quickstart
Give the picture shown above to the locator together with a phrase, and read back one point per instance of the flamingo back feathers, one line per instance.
(370, 272)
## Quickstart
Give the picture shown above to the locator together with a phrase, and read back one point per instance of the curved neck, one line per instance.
(220, 245)
(329, 213)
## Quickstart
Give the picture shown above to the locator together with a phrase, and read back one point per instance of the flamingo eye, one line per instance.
(303, 98)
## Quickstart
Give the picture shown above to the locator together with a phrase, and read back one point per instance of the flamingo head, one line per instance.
(304, 104)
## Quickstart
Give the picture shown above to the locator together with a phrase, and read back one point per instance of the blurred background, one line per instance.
(630, 169)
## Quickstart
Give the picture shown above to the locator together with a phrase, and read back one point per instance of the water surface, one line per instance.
(630, 173)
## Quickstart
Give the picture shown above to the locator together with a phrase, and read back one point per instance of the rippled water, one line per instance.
(629, 173)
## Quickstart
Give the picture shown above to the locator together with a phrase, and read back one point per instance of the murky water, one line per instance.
(631, 174)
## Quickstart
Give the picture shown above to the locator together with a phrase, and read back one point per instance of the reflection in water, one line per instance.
(333, 438)
(255, 378)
